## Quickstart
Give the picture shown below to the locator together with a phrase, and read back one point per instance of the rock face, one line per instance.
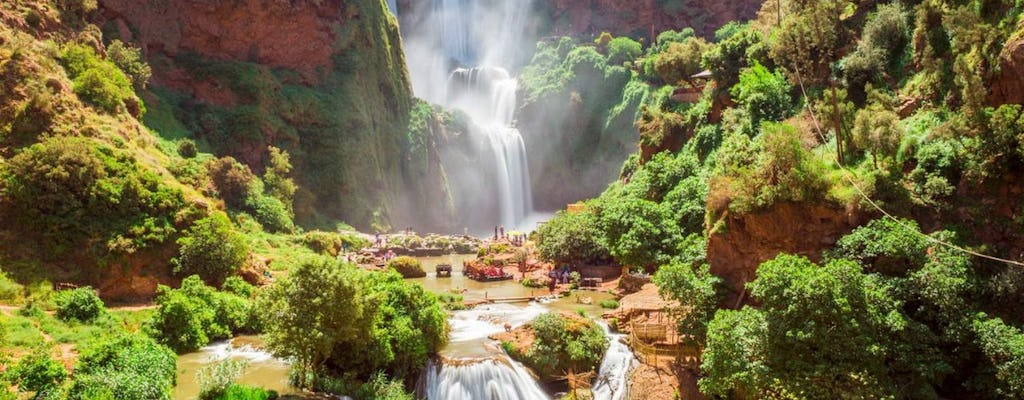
(289, 34)
(325, 80)
(737, 249)
(645, 18)
(1008, 86)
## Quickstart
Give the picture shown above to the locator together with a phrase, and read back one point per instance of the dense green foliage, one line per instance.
(195, 314)
(101, 82)
(130, 367)
(74, 193)
(823, 321)
(563, 344)
(37, 373)
(211, 249)
(386, 324)
(698, 294)
(569, 238)
(81, 304)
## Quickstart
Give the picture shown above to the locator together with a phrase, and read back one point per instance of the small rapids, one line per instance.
(613, 377)
(483, 379)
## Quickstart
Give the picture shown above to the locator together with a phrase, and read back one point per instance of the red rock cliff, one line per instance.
(737, 249)
(646, 17)
(297, 35)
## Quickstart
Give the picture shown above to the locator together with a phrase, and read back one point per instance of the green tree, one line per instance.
(571, 238)
(81, 304)
(1003, 345)
(564, 344)
(681, 60)
(623, 49)
(277, 177)
(764, 94)
(828, 332)
(129, 59)
(211, 249)
(809, 36)
(697, 292)
(740, 51)
(196, 314)
(638, 232)
(408, 267)
(878, 131)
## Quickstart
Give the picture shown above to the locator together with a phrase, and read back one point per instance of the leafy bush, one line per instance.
(129, 59)
(187, 148)
(623, 49)
(638, 232)
(240, 392)
(211, 249)
(681, 60)
(764, 94)
(37, 372)
(75, 193)
(238, 286)
(563, 344)
(268, 211)
(408, 267)
(100, 82)
(232, 180)
(1003, 345)
(276, 177)
(666, 38)
(609, 304)
(775, 167)
(81, 304)
(215, 379)
(128, 367)
(194, 315)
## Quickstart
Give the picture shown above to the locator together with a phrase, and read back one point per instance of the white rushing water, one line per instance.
(484, 379)
(613, 376)
(458, 53)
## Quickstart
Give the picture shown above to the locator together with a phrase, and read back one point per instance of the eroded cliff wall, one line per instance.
(325, 80)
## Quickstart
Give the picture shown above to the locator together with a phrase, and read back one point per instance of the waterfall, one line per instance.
(458, 53)
(488, 95)
(484, 379)
(612, 379)
(393, 6)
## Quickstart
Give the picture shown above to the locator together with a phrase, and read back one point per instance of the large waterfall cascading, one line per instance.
(488, 95)
(612, 379)
(486, 379)
(455, 50)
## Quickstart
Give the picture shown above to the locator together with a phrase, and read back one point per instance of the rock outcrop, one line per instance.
(1007, 86)
(736, 249)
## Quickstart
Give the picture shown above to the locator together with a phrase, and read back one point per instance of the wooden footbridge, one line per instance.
(515, 299)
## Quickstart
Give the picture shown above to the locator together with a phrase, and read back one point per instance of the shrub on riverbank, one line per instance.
(563, 343)
(408, 267)
(127, 367)
(194, 315)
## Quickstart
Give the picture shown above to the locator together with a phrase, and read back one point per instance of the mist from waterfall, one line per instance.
(460, 53)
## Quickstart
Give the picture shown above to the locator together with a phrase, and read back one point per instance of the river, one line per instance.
(471, 365)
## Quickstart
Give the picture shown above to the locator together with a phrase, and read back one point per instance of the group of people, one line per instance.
(516, 238)
(558, 276)
(389, 255)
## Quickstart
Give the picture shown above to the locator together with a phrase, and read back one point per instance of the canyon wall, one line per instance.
(325, 80)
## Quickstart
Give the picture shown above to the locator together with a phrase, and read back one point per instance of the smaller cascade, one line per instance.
(612, 379)
(490, 379)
